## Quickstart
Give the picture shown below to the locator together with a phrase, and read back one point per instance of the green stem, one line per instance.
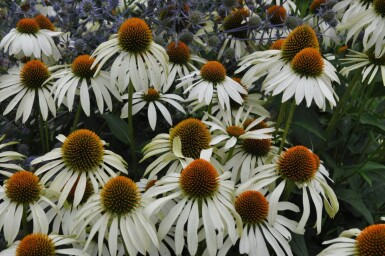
(77, 118)
(131, 126)
(287, 126)
(209, 108)
(281, 113)
(340, 106)
(24, 220)
(46, 135)
(41, 129)
(230, 153)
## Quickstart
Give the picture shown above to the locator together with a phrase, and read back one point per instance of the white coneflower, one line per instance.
(82, 156)
(119, 212)
(302, 167)
(371, 21)
(297, 70)
(186, 140)
(39, 244)
(231, 129)
(23, 192)
(155, 100)
(28, 40)
(9, 156)
(140, 60)
(251, 152)
(80, 77)
(236, 32)
(354, 242)
(369, 65)
(24, 84)
(203, 200)
(181, 63)
(259, 235)
(212, 80)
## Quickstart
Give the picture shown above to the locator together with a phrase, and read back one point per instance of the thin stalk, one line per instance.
(77, 117)
(281, 113)
(287, 126)
(230, 153)
(24, 220)
(41, 129)
(341, 105)
(46, 135)
(131, 126)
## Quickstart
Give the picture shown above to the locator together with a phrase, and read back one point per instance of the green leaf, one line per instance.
(372, 166)
(118, 127)
(369, 119)
(352, 198)
(310, 128)
(298, 245)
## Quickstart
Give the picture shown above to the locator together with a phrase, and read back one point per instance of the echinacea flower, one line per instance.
(9, 156)
(181, 62)
(203, 201)
(140, 60)
(81, 157)
(302, 167)
(29, 40)
(251, 152)
(297, 70)
(119, 212)
(80, 77)
(231, 129)
(369, 65)
(236, 32)
(23, 191)
(24, 84)
(212, 80)
(259, 235)
(371, 21)
(354, 242)
(186, 140)
(39, 244)
(155, 100)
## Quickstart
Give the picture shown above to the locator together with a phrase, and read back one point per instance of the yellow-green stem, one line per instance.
(287, 126)
(77, 118)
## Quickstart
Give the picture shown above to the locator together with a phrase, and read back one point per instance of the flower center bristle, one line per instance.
(134, 35)
(316, 5)
(235, 131)
(297, 164)
(199, 179)
(36, 245)
(44, 22)
(371, 241)
(235, 21)
(23, 187)
(256, 147)
(213, 71)
(83, 150)
(277, 14)
(300, 38)
(277, 45)
(120, 196)
(81, 66)
(252, 206)
(88, 192)
(194, 136)
(379, 7)
(308, 62)
(27, 26)
(178, 53)
(151, 95)
(33, 74)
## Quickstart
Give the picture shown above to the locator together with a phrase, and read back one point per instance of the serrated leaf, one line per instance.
(118, 127)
